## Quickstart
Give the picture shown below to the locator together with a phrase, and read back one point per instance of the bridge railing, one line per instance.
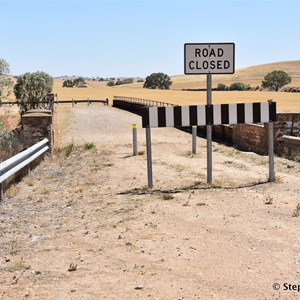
(14, 164)
(145, 102)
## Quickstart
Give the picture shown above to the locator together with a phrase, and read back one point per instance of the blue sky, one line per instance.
(136, 38)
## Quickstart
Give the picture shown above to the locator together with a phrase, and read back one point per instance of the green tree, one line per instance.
(158, 81)
(31, 89)
(68, 83)
(79, 82)
(276, 80)
(239, 86)
(110, 83)
(6, 83)
(222, 87)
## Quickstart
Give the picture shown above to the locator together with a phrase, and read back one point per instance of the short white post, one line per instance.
(134, 138)
(194, 139)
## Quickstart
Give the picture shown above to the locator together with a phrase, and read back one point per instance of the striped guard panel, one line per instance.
(161, 114)
(202, 115)
(185, 116)
(264, 112)
(169, 116)
(217, 114)
(193, 115)
(153, 116)
(232, 114)
(248, 113)
(272, 111)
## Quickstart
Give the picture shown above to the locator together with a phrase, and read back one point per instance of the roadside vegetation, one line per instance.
(77, 82)
(119, 82)
(272, 81)
(31, 89)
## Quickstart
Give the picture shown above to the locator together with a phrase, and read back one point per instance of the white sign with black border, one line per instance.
(212, 58)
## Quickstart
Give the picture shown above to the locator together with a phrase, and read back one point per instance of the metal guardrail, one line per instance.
(291, 141)
(14, 164)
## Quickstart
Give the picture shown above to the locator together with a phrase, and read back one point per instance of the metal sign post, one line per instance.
(271, 148)
(209, 132)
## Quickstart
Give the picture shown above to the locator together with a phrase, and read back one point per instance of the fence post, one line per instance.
(194, 143)
(134, 137)
(149, 157)
(106, 101)
(72, 102)
(88, 104)
(271, 149)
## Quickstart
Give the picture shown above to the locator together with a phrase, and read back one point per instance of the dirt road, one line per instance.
(84, 226)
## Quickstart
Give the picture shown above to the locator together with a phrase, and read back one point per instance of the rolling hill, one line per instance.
(251, 75)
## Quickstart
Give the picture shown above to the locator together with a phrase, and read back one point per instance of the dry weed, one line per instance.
(29, 181)
(12, 191)
(278, 179)
(269, 200)
(45, 191)
(296, 212)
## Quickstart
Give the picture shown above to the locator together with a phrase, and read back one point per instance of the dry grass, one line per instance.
(251, 75)
(287, 102)
(12, 191)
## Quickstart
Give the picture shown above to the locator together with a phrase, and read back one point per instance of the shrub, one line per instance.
(88, 146)
(222, 87)
(110, 83)
(239, 86)
(68, 149)
(31, 89)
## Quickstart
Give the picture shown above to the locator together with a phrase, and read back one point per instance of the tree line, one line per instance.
(273, 81)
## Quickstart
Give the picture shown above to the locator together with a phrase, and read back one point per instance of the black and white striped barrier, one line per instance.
(202, 115)
(208, 115)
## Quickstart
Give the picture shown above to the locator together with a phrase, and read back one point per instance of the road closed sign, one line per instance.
(214, 58)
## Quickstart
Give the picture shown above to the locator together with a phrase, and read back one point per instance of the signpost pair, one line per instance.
(208, 59)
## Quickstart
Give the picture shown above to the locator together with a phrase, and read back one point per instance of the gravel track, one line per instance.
(183, 240)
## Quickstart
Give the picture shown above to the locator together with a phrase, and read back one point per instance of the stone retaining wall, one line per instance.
(37, 125)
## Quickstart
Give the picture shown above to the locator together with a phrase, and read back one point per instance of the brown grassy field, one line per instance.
(287, 102)
(251, 75)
